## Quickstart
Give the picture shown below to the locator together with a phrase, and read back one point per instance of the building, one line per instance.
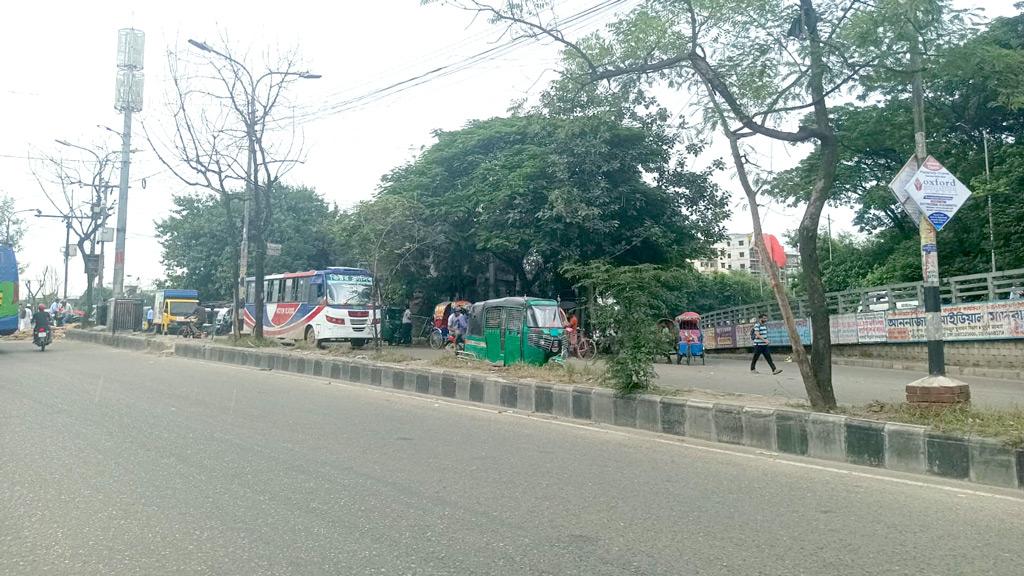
(738, 252)
(734, 253)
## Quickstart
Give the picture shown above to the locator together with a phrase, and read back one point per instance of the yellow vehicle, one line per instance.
(172, 308)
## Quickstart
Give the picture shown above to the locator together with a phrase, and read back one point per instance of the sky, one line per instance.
(59, 69)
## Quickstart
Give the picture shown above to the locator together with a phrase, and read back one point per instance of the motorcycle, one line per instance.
(42, 338)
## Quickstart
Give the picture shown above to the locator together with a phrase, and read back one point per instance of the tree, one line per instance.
(749, 67)
(972, 96)
(231, 126)
(11, 226)
(44, 288)
(95, 176)
(200, 248)
(630, 301)
(534, 193)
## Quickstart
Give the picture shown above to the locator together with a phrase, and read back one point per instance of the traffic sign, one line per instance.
(898, 185)
(937, 193)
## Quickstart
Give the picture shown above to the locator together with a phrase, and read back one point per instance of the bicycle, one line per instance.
(582, 347)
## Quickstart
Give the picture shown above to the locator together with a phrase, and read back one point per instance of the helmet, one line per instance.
(41, 307)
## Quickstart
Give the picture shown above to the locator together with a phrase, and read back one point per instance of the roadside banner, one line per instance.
(725, 336)
(905, 326)
(843, 328)
(871, 327)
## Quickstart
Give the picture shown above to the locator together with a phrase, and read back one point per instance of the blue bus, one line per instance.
(8, 291)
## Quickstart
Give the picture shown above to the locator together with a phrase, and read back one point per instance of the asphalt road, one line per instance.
(853, 384)
(116, 462)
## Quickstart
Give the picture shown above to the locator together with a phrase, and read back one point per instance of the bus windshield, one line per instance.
(349, 290)
(545, 317)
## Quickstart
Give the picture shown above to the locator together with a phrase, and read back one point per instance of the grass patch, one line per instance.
(243, 342)
(551, 372)
(1006, 425)
(387, 355)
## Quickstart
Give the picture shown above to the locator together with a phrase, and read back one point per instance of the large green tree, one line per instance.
(200, 248)
(535, 192)
(973, 93)
(749, 67)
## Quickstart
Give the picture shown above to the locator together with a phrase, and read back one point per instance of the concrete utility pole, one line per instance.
(936, 388)
(130, 52)
(991, 228)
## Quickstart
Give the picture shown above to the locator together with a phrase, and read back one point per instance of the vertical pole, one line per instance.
(991, 228)
(829, 238)
(929, 243)
(243, 252)
(67, 240)
(122, 203)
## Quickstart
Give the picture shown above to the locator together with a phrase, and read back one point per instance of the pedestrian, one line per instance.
(572, 326)
(25, 320)
(407, 326)
(759, 334)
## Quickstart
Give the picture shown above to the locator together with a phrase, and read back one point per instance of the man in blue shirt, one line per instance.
(759, 334)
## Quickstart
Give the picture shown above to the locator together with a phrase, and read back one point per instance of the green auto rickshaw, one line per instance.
(513, 330)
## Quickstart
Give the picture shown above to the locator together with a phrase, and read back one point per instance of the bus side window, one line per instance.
(287, 294)
(250, 291)
(316, 292)
(301, 289)
(271, 296)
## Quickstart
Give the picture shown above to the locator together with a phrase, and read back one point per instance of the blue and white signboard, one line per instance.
(937, 192)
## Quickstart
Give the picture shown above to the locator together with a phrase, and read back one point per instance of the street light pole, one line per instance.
(251, 184)
(67, 241)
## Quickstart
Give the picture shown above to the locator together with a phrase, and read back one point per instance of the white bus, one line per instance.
(331, 305)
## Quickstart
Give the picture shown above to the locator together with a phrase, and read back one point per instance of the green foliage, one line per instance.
(12, 228)
(200, 244)
(534, 193)
(630, 300)
(973, 89)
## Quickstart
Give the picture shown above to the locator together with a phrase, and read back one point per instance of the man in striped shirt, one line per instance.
(760, 336)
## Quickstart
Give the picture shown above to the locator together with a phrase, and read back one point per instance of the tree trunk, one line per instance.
(259, 251)
(821, 345)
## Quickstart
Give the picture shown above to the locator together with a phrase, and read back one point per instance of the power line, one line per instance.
(574, 21)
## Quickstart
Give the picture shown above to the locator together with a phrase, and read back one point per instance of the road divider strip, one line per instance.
(887, 445)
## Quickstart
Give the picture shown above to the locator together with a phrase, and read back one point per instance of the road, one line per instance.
(116, 462)
(854, 385)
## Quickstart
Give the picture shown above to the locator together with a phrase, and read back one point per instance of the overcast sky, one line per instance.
(59, 63)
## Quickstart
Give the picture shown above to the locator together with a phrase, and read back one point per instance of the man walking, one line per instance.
(759, 334)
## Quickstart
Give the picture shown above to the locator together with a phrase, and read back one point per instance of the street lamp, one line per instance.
(10, 217)
(67, 241)
(250, 172)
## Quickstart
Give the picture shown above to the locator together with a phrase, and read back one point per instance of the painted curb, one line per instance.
(888, 445)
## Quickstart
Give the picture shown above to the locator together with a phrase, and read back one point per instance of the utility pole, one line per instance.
(130, 53)
(67, 241)
(988, 180)
(936, 388)
(829, 238)
(929, 238)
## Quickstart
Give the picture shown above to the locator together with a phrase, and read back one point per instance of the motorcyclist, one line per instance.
(197, 318)
(40, 319)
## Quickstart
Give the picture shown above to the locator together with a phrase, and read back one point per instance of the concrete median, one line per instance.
(889, 445)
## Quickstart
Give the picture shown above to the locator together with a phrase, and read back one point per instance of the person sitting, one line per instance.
(41, 319)
(196, 321)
